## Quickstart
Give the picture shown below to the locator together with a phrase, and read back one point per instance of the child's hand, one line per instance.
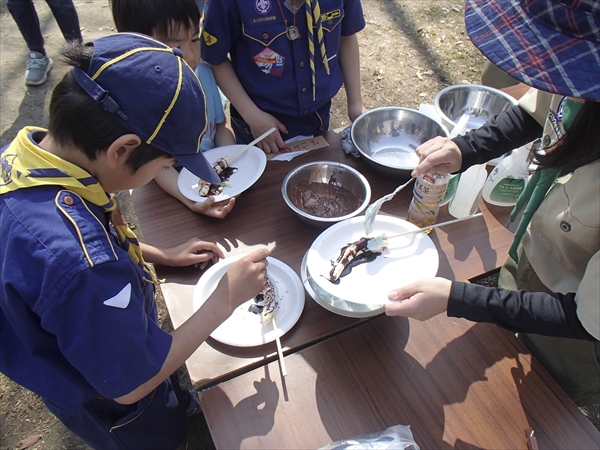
(263, 122)
(193, 252)
(244, 279)
(355, 110)
(214, 209)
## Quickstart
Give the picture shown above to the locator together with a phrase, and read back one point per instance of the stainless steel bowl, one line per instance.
(480, 102)
(388, 137)
(322, 172)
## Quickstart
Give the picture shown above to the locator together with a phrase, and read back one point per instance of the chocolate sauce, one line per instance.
(363, 258)
(324, 199)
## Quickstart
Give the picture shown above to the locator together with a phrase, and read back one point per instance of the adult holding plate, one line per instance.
(554, 261)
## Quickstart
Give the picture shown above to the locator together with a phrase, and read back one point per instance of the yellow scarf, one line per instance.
(26, 165)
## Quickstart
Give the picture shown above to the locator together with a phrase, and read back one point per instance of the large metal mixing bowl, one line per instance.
(388, 137)
(480, 102)
(326, 172)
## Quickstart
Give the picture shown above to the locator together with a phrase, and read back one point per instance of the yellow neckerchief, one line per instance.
(26, 165)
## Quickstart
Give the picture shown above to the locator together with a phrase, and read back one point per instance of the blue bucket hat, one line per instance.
(150, 90)
(552, 45)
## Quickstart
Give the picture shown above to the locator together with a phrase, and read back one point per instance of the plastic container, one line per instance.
(459, 129)
(508, 179)
(468, 191)
(428, 192)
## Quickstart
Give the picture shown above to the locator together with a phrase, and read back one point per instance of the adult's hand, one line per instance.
(439, 155)
(420, 300)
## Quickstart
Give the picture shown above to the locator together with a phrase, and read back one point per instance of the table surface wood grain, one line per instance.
(260, 217)
(455, 383)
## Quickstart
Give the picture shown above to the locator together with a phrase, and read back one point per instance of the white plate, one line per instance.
(334, 304)
(244, 328)
(408, 258)
(250, 167)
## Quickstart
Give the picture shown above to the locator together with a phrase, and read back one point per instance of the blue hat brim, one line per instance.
(199, 166)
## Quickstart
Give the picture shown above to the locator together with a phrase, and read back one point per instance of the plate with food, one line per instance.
(250, 324)
(345, 263)
(236, 175)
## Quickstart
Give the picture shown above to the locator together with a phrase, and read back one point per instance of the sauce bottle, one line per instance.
(428, 192)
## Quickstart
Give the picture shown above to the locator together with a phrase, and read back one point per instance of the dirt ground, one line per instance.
(410, 50)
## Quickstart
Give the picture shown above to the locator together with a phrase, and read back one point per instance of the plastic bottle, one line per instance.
(459, 129)
(428, 192)
(508, 179)
(468, 191)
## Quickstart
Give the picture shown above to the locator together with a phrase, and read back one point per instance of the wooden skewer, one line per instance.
(230, 159)
(437, 225)
(279, 350)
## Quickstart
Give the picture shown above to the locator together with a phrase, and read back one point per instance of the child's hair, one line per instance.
(77, 120)
(154, 17)
(581, 143)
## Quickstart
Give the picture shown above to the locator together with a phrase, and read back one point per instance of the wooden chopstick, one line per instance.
(435, 226)
(279, 350)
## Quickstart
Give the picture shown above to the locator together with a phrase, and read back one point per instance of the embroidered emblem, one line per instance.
(6, 176)
(122, 299)
(270, 62)
(209, 39)
(330, 15)
(262, 7)
(257, 20)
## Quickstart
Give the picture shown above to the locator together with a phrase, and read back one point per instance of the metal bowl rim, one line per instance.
(393, 108)
(298, 211)
(479, 87)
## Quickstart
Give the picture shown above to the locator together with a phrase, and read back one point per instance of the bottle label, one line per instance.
(507, 190)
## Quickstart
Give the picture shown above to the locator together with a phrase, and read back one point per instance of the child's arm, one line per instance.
(224, 134)
(350, 65)
(167, 180)
(244, 280)
(191, 253)
(258, 120)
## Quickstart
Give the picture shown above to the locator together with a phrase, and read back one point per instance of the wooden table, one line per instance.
(260, 216)
(457, 384)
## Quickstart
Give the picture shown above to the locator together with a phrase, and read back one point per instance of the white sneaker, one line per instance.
(38, 66)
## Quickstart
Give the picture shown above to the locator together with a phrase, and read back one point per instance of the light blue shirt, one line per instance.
(215, 104)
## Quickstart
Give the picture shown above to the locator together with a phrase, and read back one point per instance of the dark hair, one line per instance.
(78, 120)
(581, 143)
(157, 17)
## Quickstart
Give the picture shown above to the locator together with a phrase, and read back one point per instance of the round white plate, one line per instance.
(408, 258)
(244, 328)
(334, 304)
(250, 167)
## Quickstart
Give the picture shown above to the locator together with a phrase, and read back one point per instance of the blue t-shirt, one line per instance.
(215, 105)
(78, 318)
(275, 71)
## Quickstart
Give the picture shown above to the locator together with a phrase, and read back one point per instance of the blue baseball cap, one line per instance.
(552, 45)
(150, 90)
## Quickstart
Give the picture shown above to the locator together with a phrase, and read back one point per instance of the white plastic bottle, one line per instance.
(459, 129)
(508, 179)
(468, 191)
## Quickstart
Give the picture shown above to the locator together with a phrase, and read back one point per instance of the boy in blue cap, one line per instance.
(78, 321)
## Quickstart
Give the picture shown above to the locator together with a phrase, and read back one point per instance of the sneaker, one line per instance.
(194, 407)
(38, 66)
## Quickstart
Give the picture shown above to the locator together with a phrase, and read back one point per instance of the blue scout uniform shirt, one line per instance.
(274, 71)
(78, 318)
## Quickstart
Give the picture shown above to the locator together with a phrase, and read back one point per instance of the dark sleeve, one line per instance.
(506, 131)
(518, 311)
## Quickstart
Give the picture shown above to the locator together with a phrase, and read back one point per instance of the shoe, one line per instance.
(194, 407)
(38, 66)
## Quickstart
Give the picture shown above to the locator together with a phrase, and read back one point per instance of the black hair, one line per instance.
(79, 121)
(154, 17)
(581, 143)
